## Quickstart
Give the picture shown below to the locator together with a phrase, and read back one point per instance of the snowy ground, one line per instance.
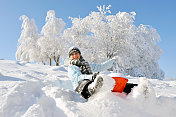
(31, 90)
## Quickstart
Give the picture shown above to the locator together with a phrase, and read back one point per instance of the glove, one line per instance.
(94, 76)
(116, 58)
(76, 62)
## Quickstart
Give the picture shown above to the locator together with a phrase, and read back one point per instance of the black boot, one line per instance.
(92, 87)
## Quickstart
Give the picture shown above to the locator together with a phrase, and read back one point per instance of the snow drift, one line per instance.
(31, 90)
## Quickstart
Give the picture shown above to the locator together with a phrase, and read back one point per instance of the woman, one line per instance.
(81, 74)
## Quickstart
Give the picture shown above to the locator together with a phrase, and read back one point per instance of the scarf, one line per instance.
(83, 65)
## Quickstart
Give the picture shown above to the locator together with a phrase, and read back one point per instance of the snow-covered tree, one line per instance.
(101, 36)
(27, 49)
(43, 47)
(51, 45)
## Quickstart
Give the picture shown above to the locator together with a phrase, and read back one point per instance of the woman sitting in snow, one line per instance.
(81, 74)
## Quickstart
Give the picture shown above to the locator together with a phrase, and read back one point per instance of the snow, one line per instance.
(34, 90)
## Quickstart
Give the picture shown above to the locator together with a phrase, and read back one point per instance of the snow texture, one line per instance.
(33, 90)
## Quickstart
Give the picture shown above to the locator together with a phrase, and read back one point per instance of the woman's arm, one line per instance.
(103, 66)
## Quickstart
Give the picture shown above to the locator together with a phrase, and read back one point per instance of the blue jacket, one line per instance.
(75, 74)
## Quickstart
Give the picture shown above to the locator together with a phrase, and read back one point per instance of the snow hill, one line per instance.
(32, 90)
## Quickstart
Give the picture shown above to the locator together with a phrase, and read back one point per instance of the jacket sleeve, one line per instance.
(75, 75)
(103, 66)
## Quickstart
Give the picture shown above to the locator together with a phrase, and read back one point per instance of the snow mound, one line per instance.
(32, 90)
(144, 91)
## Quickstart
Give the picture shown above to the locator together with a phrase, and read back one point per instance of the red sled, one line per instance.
(120, 84)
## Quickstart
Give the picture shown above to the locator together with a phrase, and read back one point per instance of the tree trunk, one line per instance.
(43, 63)
(56, 59)
(50, 62)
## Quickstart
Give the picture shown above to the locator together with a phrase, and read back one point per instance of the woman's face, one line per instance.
(75, 56)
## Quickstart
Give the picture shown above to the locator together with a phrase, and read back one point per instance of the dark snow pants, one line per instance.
(83, 88)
